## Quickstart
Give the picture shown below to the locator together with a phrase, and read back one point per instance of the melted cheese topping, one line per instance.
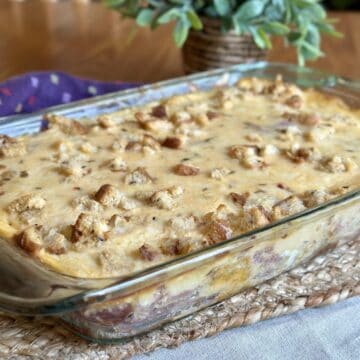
(110, 196)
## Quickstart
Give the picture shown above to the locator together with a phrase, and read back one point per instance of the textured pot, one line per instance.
(210, 48)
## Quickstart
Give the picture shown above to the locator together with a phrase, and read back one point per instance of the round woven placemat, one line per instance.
(327, 279)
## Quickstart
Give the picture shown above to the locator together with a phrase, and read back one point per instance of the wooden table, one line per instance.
(88, 40)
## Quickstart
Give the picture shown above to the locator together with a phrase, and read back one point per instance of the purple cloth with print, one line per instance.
(37, 90)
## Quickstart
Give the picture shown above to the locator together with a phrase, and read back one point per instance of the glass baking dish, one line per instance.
(114, 309)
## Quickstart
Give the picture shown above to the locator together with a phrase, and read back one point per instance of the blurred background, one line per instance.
(84, 38)
(342, 4)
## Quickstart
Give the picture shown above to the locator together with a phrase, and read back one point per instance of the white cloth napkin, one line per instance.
(328, 333)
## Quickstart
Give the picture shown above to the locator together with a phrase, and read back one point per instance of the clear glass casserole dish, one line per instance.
(117, 308)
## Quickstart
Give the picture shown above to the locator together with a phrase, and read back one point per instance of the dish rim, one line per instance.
(126, 284)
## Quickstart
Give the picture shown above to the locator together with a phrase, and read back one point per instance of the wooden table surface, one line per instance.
(88, 40)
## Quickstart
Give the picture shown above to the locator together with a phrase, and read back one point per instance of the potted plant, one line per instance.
(216, 33)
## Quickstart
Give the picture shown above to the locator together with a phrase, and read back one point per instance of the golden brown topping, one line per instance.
(27, 202)
(225, 101)
(186, 170)
(288, 206)
(309, 119)
(269, 150)
(218, 231)
(118, 221)
(172, 142)
(84, 203)
(175, 247)
(251, 84)
(220, 213)
(151, 142)
(319, 133)
(147, 144)
(10, 147)
(237, 151)
(64, 148)
(254, 137)
(139, 176)
(88, 148)
(77, 128)
(294, 101)
(181, 117)
(119, 145)
(68, 126)
(88, 227)
(30, 240)
(248, 156)
(289, 133)
(337, 164)
(159, 111)
(75, 167)
(201, 119)
(315, 197)
(158, 126)
(140, 117)
(261, 198)
(239, 198)
(152, 123)
(108, 195)
(212, 115)
(180, 225)
(147, 252)
(168, 198)
(254, 217)
(219, 173)
(56, 243)
(117, 164)
(105, 121)
(133, 146)
(299, 154)
(143, 195)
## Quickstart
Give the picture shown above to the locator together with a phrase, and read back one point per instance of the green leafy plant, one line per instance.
(299, 22)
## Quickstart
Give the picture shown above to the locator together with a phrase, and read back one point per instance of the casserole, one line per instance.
(116, 308)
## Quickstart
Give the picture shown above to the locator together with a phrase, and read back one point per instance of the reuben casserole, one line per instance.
(113, 195)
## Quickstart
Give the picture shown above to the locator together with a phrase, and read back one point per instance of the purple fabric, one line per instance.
(37, 90)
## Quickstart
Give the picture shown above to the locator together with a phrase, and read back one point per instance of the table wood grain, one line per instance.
(89, 40)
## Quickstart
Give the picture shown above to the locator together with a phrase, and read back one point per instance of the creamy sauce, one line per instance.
(66, 171)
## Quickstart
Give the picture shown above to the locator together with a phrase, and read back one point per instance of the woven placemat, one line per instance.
(327, 279)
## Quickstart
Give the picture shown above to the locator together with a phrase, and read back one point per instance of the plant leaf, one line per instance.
(144, 18)
(260, 37)
(114, 3)
(194, 20)
(222, 7)
(181, 31)
(311, 49)
(276, 28)
(250, 9)
(300, 22)
(294, 37)
(313, 36)
(169, 15)
(210, 11)
(329, 29)
(264, 38)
